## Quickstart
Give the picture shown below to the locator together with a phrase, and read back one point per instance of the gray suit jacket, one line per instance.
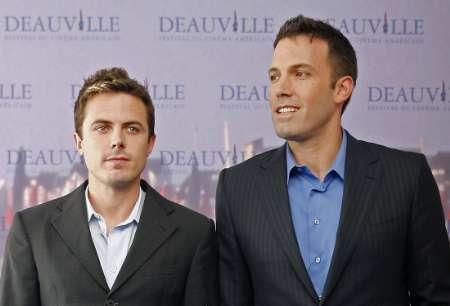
(391, 246)
(50, 258)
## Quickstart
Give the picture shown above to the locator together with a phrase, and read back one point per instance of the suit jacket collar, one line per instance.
(275, 204)
(361, 172)
(154, 228)
(70, 222)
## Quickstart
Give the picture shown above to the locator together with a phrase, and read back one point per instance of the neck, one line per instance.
(114, 204)
(319, 152)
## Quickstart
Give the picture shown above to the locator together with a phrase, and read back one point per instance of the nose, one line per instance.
(117, 140)
(282, 87)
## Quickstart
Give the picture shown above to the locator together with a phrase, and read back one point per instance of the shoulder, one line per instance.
(252, 165)
(37, 218)
(190, 218)
(180, 214)
(42, 211)
(391, 155)
(398, 167)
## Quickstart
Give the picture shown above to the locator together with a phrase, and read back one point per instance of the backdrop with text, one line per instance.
(205, 64)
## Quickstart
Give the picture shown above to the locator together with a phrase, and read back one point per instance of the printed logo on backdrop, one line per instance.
(81, 26)
(74, 90)
(212, 159)
(243, 97)
(16, 95)
(168, 95)
(189, 177)
(233, 27)
(417, 98)
(177, 164)
(42, 157)
(165, 95)
(186, 176)
(38, 175)
(382, 29)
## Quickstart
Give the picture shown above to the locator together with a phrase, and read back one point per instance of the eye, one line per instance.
(101, 129)
(273, 77)
(133, 129)
(301, 74)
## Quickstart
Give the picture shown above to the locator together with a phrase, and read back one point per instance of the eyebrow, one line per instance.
(293, 67)
(99, 121)
(103, 121)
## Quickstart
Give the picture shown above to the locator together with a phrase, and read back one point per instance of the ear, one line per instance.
(151, 144)
(78, 143)
(343, 89)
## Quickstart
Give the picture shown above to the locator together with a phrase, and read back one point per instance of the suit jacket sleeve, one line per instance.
(201, 285)
(19, 283)
(235, 283)
(428, 245)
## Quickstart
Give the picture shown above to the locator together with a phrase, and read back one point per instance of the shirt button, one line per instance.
(316, 221)
(317, 259)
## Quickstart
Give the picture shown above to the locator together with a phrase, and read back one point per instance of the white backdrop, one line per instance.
(205, 63)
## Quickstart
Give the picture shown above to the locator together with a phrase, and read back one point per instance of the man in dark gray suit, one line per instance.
(327, 219)
(114, 240)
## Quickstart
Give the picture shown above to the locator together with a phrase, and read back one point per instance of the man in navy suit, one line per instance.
(114, 240)
(327, 219)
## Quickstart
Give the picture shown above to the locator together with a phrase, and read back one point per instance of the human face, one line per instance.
(302, 101)
(115, 142)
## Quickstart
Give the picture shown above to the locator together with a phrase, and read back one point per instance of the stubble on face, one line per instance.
(115, 140)
(301, 96)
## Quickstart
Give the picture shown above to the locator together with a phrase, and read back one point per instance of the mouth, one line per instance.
(117, 158)
(286, 109)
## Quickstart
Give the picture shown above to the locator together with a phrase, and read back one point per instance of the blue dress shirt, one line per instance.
(316, 208)
(112, 248)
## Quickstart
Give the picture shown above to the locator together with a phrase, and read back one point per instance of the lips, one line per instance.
(117, 158)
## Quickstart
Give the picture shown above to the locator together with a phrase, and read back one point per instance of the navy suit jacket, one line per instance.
(391, 247)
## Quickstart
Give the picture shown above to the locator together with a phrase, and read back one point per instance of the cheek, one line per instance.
(148, 149)
(271, 94)
(91, 150)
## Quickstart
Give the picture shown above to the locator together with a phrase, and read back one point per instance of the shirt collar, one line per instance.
(338, 164)
(135, 214)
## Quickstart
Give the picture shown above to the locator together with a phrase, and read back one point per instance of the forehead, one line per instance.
(115, 107)
(300, 49)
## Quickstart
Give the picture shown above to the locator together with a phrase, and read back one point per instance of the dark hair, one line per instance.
(340, 51)
(112, 80)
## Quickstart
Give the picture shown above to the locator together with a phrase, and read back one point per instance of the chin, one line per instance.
(121, 183)
(287, 135)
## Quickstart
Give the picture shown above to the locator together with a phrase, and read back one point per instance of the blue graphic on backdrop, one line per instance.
(165, 95)
(381, 30)
(16, 95)
(409, 98)
(203, 158)
(77, 27)
(213, 28)
(243, 97)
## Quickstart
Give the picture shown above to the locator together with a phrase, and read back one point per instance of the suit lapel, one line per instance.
(275, 204)
(72, 225)
(153, 230)
(362, 170)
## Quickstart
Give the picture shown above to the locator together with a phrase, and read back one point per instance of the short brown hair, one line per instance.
(112, 80)
(340, 50)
